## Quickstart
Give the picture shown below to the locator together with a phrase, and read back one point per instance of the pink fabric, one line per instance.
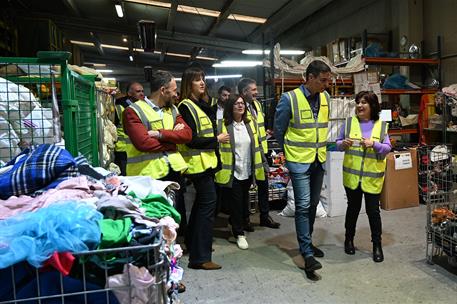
(76, 188)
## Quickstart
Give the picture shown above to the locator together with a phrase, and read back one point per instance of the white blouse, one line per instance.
(242, 151)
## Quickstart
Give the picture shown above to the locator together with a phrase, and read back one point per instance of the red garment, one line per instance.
(138, 134)
(62, 261)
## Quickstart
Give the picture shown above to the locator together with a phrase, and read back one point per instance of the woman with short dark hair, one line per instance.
(366, 143)
(242, 161)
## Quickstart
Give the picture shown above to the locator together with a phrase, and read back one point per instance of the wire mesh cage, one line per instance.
(438, 184)
(43, 101)
(135, 274)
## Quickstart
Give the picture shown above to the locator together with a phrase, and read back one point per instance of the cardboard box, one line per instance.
(401, 182)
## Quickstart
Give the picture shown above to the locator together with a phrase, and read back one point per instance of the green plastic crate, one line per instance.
(76, 98)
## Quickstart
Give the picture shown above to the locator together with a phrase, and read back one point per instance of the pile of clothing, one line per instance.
(55, 208)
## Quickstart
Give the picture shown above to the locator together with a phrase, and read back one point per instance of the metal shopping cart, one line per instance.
(88, 280)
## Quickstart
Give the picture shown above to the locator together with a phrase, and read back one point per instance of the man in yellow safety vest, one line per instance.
(301, 127)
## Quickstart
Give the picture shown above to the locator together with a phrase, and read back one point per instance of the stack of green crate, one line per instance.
(77, 97)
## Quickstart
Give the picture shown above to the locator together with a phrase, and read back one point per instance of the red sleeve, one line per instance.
(177, 137)
(138, 134)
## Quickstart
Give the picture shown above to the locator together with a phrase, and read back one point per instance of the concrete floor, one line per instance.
(268, 272)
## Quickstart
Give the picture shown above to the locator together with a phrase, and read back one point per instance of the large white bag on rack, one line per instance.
(289, 210)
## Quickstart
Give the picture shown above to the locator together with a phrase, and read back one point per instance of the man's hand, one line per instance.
(154, 134)
(223, 138)
(178, 127)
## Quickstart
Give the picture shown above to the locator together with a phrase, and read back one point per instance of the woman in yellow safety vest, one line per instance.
(200, 156)
(242, 160)
(366, 143)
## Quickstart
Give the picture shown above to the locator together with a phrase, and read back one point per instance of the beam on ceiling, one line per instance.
(225, 12)
(172, 38)
(97, 43)
(287, 16)
(170, 26)
(73, 7)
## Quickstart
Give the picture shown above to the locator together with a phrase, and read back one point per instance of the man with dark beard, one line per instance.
(155, 127)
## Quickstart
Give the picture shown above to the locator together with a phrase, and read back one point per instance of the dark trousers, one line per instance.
(262, 195)
(238, 198)
(372, 209)
(199, 234)
(180, 205)
(120, 159)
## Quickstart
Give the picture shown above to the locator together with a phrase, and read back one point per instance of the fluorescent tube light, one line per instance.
(267, 52)
(131, 58)
(236, 64)
(104, 71)
(218, 76)
(119, 10)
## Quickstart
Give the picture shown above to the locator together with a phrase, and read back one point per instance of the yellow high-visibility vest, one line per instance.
(306, 137)
(361, 165)
(227, 155)
(260, 124)
(198, 160)
(121, 136)
(155, 165)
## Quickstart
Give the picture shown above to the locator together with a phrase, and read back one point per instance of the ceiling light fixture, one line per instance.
(131, 58)
(104, 71)
(267, 52)
(201, 11)
(118, 47)
(124, 39)
(236, 64)
(218, 76)
(119, 10)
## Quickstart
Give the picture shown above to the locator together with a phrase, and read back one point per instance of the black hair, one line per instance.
(316, 67)
(130, 84)
(372, 100)
(160, 79)
(228, 110)
(223, 88)
(244, 83)
(190, 74)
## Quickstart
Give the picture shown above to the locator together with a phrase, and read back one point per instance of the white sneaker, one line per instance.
(241, 242)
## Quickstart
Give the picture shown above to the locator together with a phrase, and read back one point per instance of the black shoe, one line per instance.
(269, 222)
(248, 227)
(378, 255)
(311, 264)
(311, 275)
(349, 246)
(317, 252)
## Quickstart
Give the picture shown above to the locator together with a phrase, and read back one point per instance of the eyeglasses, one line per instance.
(239, 103)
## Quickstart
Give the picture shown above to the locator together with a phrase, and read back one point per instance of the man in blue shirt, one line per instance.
(307, 176)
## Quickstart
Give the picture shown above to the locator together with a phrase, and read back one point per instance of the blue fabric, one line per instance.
(35, 168)
(397, 81)
(307, 188)
(26, 287)
(35, 236)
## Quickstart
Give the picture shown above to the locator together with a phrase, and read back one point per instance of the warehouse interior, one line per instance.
(64, 64)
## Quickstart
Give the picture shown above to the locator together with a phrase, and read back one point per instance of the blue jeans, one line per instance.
(307, 189)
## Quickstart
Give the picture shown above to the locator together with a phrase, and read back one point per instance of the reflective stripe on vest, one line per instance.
(306, 137)
(259, 123)
(227, 155)
(199, 160)
(155, 165)
(364, 166)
